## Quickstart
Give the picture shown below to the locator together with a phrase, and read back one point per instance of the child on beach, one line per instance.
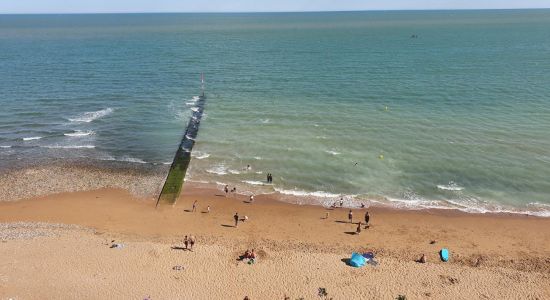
(251, 198)
(208, 209)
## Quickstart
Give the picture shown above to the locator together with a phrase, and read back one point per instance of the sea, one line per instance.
(409, 109)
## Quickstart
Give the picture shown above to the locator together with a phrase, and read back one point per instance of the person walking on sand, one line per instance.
(350, 216)
(236, 218)
(226, 189)
(186, 242)
(208, 209)
(251, 198)
(191, 242)
(358, 231)
(367, 219)
(194, 206)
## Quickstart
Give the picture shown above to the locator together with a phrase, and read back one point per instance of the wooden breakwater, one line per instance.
(176, 176)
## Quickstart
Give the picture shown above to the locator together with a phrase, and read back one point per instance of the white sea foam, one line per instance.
(92, 115)
(218, 170)
(319, 194)
(194, 109)
(167, 163)
(257, 158)
(254, 182)
(450, 187)
(259, 172)
(69, 147)
(200, 155)
(32, 138)
(132, 159)
(79, 133)
(332, 152)
(266, 121)
(233, 171)
(5, 147)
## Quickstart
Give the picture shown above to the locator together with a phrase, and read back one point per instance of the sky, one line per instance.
(110, 6)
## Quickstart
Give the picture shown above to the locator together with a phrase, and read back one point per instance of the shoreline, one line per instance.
(26, 181)
(294, 240)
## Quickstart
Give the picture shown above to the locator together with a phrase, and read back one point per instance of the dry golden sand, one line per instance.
(493, 256)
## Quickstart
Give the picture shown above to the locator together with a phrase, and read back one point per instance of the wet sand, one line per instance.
(493, 256)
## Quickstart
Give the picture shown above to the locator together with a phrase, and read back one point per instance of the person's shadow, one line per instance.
(225, 225)
(346, 261)
(350, 232)
(179, 248)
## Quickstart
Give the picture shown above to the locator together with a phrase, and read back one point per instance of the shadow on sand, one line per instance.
(225, 225)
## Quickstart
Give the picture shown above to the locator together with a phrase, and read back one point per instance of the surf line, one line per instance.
(174, 181)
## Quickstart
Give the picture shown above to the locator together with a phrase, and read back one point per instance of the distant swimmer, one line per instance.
(355, 164)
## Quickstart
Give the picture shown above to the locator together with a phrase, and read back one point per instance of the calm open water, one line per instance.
(329, 103)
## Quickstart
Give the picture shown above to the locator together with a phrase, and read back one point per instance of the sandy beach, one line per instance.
(492, 256)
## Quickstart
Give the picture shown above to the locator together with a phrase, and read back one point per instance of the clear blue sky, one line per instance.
(95, 6)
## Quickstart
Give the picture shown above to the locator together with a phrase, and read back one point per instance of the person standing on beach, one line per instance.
(208, 209)
(350, 216)
(191, 242)
(186, 242)
(226, 189)
(341, 201)
(194, 206)
(367, 219)
(358, 231)
(236, 218)
(251, 198)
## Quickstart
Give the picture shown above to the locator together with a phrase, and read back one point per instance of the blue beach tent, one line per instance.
(357, 260)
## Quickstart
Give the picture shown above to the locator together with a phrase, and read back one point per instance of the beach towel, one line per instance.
(357, 260)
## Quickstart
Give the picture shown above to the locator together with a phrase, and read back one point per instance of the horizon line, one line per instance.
(264, 12)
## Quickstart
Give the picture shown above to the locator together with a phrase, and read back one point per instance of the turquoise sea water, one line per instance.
(329, 103)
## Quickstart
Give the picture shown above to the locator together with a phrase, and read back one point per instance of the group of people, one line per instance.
(195, 205)
(236, 218)
(226, 190)
(189, 242)
(249, 255)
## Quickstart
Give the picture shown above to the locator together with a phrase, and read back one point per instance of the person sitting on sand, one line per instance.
(350, 216)
(252, 254)
(191, 242)
(422, 259)
(358, 231)
(236, 218)
(246, 254)
(186, 242)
